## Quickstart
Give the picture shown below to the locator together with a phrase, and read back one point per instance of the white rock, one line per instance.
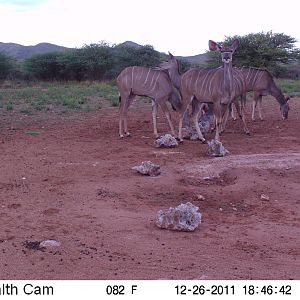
(264, 197)
(184, 217)
(216, 148)
(147, 168)
(167, 141)
(50, 243)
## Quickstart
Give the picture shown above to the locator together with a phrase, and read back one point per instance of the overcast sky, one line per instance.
(181, 27)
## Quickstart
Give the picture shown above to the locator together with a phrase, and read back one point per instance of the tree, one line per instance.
(44, 66)
(125, 56)
(7, 65)
(97, 60)
(272, 51)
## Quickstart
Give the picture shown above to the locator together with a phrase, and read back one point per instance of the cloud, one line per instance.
(21, 5)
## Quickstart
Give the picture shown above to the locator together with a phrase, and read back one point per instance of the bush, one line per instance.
(7, 66)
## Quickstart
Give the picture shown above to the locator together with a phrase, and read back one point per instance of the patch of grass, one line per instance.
(9, 106)
(71, 95)
(289, 86)
(33, 133)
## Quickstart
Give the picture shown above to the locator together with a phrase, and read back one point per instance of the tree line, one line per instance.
(274, 51)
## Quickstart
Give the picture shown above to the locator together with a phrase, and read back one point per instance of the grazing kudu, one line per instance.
(142, 81)
(219, 86)
(261, 82)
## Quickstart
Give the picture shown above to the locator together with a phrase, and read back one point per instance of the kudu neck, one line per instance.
(228, 79)
(175, 77)
(277, 94)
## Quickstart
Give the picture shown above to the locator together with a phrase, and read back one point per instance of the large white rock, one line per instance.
(184, 217)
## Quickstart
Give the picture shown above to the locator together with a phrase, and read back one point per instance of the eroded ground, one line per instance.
(68, 177)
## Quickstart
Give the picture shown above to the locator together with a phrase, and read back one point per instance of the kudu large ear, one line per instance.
(235, 44)
(171, 55)
(213, 46)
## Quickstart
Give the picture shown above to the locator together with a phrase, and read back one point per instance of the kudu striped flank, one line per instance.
(142, 81)
(261, 82)
(172, 66)
(219, 86)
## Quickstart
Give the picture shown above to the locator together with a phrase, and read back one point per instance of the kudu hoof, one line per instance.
(203, 141)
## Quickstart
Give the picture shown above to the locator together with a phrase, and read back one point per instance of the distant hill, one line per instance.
(196, 59)
(21, 52)
(129, 44)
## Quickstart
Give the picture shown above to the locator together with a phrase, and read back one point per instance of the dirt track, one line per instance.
(68, 178)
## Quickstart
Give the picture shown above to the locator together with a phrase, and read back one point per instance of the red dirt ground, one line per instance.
(68, 177)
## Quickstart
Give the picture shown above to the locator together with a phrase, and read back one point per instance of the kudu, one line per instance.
(261, 82)
(142, 81)
(219, 86)
(172, 66)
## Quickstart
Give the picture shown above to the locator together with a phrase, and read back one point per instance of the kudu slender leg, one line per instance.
(253, 109)
(225, 118)
(154, 117)
(219, 111)
(196, 113)
(232, 111)
(259, 107)
(124, 105)
(121, 117)
(166, 111)
(184, 108)
(241, 111)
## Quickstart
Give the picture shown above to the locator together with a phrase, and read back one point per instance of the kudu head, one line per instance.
(171, 64)
(226, 51)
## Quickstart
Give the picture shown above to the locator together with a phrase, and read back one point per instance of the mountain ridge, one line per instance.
(21, 52)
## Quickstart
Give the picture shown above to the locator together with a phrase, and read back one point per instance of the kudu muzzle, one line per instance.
(226, 57)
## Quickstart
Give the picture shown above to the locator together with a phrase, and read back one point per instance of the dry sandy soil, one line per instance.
(68, 177)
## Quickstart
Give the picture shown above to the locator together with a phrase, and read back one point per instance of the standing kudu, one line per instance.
(142, 81)
(172, 66)
(218, 86)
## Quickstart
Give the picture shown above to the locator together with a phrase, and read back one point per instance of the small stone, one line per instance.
(264, 197)
(148, 168)
(200, 197)
(50, 243)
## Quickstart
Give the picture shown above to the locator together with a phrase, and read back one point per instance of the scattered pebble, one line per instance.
(50, 243)
(264, 197)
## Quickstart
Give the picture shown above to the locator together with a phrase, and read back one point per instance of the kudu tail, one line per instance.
(119, 99)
